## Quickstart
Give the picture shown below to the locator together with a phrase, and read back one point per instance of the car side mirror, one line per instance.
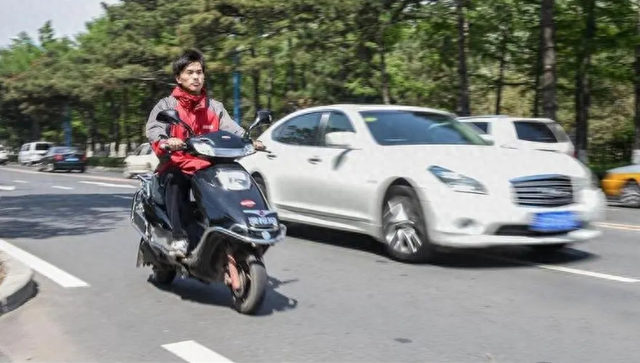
(341, 139)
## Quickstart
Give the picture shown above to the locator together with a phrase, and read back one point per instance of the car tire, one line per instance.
(630, 194)
(404, 228)
(549, 249)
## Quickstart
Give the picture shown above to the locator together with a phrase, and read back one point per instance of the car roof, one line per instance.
(496, 118)
(370, 107)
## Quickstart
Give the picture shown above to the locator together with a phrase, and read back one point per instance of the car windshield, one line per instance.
(399, 127)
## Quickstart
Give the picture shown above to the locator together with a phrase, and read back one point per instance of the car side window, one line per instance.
(301, 130)
(145, 149)
(484, 126)
(338, 122)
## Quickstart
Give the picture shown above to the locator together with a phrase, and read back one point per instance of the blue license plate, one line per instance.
(72, 159)
(554, 222)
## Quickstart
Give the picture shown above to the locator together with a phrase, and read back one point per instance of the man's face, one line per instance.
(192, 78)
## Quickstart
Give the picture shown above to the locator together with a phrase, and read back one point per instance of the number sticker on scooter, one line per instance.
(263, 221)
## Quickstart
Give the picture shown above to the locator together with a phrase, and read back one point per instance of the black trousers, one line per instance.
(176, 198)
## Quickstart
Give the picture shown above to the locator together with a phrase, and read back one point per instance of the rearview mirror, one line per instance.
(263, 117)
(169, 117)
(345, 140)
(172, 117)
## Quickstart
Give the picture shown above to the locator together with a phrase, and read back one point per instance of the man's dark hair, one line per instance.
(188, 57)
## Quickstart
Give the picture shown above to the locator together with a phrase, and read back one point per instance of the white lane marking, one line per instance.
(625, 227)
(7, 187)
(64, 175)
(20, 181)
(121, 197)
(61, 187)
(192, 352)
(45, 268)
(108, 184)
(566, 269)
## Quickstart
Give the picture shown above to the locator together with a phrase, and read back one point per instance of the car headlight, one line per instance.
(234, 179)
(458, 182)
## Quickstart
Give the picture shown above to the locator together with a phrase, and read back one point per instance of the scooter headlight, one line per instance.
(234, 179)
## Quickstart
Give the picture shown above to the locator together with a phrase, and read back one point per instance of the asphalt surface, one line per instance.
(333, 297)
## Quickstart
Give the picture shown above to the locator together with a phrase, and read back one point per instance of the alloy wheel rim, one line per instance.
(400, 228)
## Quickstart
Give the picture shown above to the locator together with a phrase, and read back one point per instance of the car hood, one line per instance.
(486, 163)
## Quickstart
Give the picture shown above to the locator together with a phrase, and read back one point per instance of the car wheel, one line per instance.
(549, 249)
(404, 226)
(630, 195)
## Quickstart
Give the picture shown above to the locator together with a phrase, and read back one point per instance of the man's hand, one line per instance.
(258, 145)
(175, 143)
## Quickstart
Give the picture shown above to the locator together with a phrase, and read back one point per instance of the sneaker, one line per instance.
(179, 248)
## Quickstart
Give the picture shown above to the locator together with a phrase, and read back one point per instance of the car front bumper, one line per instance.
(464, 220)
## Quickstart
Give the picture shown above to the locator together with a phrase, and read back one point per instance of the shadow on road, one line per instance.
(42, 216)
(219, 294)
(502, 257)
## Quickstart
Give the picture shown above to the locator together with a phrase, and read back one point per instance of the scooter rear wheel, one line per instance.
(253, 282)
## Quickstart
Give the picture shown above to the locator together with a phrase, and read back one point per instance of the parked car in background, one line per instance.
(63, 158)
(141, 160)
(623, 184)
(31, 153)
(522, 133)
(415, 178)
(4, 155)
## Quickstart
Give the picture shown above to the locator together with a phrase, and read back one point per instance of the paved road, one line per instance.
(332, 297)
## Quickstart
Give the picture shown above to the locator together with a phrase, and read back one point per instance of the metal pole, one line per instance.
(236, 88)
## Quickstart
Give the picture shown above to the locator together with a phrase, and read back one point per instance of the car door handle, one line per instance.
(271, 156)
(314, 160)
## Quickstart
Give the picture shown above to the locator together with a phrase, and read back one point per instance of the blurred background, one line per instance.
(91, 72)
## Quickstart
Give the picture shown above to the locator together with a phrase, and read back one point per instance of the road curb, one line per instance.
(18, 285)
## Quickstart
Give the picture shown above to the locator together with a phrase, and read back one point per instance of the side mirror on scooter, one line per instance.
(169, 117)
(173, 118)
(263, 117)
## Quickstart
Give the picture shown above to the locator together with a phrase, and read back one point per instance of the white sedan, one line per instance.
(415, 178)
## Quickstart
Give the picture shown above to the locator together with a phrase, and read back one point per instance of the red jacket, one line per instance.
(203, 115)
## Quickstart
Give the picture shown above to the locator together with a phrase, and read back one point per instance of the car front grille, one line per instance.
(543, 191)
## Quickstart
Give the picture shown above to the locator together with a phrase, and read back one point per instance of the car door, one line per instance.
(340, 187)
(287, 169)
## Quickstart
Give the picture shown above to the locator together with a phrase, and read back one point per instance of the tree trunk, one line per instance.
(537, 71)
(582, 84)
(636, 144)
(503, 62)
(464, 108)
(547, 26)
(255, 75)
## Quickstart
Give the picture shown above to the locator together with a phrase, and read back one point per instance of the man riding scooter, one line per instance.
(203, 115)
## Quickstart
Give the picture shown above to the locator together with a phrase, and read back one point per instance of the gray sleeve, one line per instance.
(157, 130)
(226, 122)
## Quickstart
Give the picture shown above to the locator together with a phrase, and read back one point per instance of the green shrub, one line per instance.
(105, 161)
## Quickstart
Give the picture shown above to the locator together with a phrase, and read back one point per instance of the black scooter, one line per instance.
(231, 223)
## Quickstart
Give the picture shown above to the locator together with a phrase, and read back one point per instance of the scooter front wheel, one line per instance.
(253, 283)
